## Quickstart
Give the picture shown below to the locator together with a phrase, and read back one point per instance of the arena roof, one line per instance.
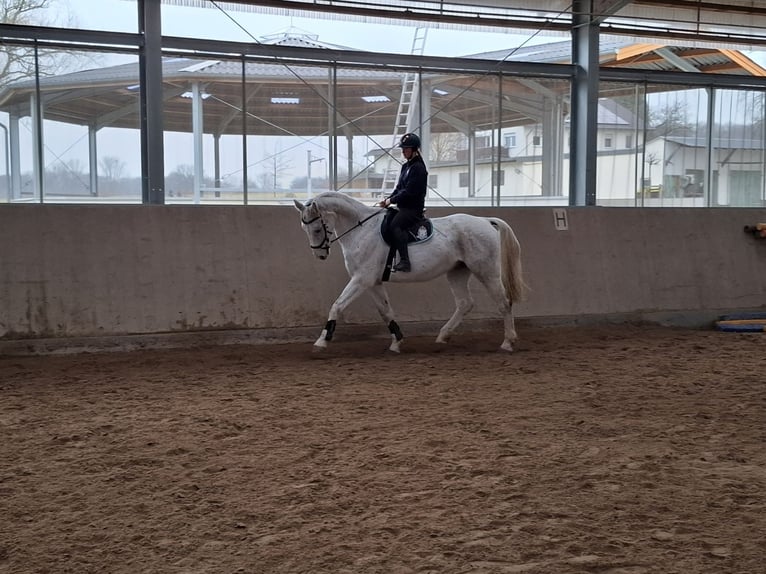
(738, 23)
(292, 100)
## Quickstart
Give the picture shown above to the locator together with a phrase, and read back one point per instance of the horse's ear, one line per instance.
(298, 205)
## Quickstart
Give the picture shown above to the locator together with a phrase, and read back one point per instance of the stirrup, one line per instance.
(403, 266)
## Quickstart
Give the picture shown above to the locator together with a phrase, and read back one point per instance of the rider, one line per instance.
(409, 195)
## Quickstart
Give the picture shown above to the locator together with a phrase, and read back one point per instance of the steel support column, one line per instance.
(583, 145)
(152, 130)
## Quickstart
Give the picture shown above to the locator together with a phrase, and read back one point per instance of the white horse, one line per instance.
(461, 245)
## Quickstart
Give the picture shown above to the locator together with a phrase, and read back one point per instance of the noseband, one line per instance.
(327, 240)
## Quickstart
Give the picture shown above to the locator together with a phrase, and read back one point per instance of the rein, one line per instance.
(327, 240)
(358, 224)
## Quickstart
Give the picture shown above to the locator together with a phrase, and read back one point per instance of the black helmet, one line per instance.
(410, 140)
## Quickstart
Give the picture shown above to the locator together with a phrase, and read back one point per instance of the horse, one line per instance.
(462, 245)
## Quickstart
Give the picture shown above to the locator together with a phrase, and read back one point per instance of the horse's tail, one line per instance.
(510, 262)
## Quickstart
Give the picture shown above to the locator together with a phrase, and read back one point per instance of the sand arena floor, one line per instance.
(605, 449)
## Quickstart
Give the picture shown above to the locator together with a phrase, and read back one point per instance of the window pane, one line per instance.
(206, 111)
(738, 150)
(87, 146)
(664, 162)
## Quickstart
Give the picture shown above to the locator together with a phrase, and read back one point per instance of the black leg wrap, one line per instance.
(393, 327)
(330, 328)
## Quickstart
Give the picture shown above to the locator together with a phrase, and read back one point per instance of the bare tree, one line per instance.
(68, 178)
(277, 164)
(672, 118)
(444, 146)
(18, 62)
(112, 167)
(180, 182)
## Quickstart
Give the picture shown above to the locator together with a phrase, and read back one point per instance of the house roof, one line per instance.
(717, 142)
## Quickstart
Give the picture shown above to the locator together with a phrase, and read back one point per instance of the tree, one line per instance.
(277, 164)
(18, 62)
(67, 178)
(671, 118)
(180, 182)
(444, 146)
(112, 168)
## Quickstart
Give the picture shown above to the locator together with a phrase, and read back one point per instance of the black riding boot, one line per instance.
(404, 257)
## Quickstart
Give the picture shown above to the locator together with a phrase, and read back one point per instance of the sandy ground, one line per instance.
(607, 449)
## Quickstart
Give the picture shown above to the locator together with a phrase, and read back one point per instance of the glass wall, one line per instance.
(63, 139)
(254, 128)
(737, 150)
(656, 149)
(204, 125)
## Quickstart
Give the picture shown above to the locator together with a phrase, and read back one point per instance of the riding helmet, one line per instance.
(410, 140)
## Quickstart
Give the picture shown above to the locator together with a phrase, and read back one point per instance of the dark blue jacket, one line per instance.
(410, 190)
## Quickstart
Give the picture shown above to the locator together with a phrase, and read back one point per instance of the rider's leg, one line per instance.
(400, 238)
(403, 220)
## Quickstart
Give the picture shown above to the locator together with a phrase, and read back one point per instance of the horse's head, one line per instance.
(317, 227)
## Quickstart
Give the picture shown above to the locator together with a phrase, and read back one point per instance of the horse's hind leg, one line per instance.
(380, 297)
(458, 284)
(497, 292)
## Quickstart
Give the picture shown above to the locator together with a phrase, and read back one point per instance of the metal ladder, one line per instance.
(405, 111)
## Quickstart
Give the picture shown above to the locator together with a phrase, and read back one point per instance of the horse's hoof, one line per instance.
(506, 346)
(442, 340)
(318, 349)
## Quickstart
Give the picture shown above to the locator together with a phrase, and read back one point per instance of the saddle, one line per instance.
(420, 231)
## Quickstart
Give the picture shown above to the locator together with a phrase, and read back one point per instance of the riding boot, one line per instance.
(404, 257)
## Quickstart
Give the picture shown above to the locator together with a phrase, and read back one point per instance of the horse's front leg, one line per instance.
(380, 297)
(351, 291)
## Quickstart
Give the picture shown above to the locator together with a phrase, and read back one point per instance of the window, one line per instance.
(463, 179)
(433, 180)
(510, 140)
(629, 141)
(498, 176)
(608, 141)
(537, 140)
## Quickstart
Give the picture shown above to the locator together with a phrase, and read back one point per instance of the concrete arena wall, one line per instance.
(80, 271)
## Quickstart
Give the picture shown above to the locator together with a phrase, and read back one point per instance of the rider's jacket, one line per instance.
(410, 190)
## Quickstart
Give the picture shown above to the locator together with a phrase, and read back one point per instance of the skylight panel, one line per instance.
(376, 99)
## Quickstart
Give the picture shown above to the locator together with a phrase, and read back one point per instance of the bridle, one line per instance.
(327, 240)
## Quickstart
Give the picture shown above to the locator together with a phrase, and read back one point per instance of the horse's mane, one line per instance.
(339, 202)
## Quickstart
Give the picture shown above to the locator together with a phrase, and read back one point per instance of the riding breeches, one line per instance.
(401, 223)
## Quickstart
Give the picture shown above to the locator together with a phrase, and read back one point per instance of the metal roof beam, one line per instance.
(603, 9)
(670, 56)
(686, 79)
(702, 6)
